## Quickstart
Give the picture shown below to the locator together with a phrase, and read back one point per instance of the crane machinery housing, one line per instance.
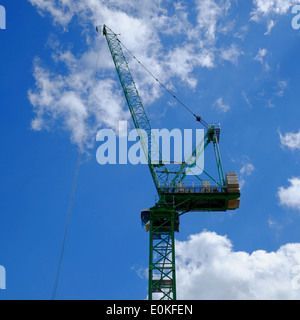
(178, 191)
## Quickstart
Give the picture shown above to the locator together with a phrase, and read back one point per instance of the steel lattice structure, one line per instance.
(177, 195)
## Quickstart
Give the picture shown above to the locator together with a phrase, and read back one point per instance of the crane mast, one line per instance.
(177, 195)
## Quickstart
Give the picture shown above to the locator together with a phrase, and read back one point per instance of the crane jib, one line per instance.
(135, 105)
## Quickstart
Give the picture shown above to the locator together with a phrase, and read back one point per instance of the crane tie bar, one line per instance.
(199, 119)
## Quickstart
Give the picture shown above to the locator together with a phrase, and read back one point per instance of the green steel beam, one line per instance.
(135, 105)
(173, 202)
(162, 274)
(160, 173)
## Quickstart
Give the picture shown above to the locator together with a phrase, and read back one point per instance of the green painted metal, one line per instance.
(162, 279)
(177, 195)
(163, 174)
(136, 107)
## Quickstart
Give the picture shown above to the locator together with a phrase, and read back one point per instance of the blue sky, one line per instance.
(230, 61)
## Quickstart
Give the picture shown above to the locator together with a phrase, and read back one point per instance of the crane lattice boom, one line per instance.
(177, 195)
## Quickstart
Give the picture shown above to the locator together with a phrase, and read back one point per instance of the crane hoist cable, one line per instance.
(69, 211)
(62, 250)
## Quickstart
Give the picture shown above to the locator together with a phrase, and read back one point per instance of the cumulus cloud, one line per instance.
(147, 20)
(183, 61)
(290, 140)
(57, 94)
(290, 196)
(265, 8)
(76, 101)
(59, 10)
(209, 268)
(208, 13)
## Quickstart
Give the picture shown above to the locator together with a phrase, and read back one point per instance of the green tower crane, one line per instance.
(177, 192)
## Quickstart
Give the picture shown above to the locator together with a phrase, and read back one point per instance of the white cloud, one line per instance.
(290, 140)
(264, 8)
(290, 196)
(183, 61)
(270, 104)
(279, 86)
(70, 96)
(261, 53)
(59, 10)
(231, 54)
(208, 13)
(282, 85)
(220, 105)
(58, 94)
(271, 25)
(242, 32)
(69, 99)
(247, 100)
(261, 57)
(37, 124)
(209, 268)
(245, 171)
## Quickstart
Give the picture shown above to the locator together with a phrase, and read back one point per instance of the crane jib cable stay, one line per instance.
(198, 118)
(178, 190)
(168, 90)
